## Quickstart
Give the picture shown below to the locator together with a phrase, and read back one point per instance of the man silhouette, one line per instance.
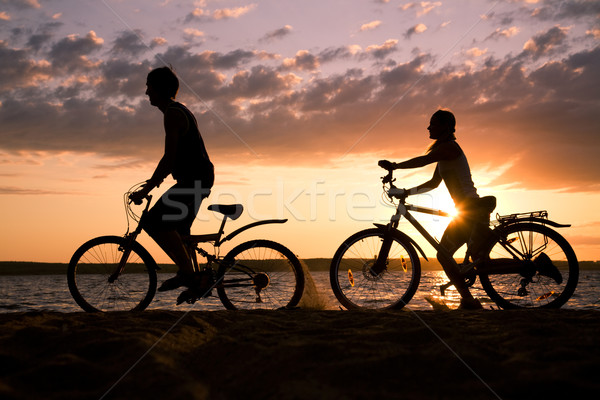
(186, 159)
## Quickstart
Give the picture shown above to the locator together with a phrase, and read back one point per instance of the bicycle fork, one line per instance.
(126, 248)
(381, 261)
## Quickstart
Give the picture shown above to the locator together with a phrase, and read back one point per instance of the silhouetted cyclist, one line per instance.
(186, 159)
(452, 168)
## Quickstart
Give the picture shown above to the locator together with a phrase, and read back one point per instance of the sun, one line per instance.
(451, 210)
(442, 201)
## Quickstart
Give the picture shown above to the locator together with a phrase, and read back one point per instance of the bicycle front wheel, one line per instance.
(548, 271)
(354, 282)
(260, 274)
(96, 283)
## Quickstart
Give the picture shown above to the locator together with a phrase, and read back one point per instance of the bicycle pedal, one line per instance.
(444, 287)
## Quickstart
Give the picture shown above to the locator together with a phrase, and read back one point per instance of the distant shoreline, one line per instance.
(314, 264)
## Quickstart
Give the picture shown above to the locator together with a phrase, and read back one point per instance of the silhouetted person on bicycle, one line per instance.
(452, 168)
(186, 159)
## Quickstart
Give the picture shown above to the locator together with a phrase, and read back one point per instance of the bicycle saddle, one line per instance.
(232, 211)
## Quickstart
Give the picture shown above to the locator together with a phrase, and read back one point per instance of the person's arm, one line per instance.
(445, 151)
(429, 185)
(174, 122)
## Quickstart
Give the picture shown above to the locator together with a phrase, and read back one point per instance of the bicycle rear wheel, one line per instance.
(355, 284)
(548, 271)
(260, 274)
(94, 284)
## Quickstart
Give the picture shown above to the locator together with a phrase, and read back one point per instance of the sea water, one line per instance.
(50, 293)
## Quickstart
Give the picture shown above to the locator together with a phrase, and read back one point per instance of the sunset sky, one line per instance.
(296, 101)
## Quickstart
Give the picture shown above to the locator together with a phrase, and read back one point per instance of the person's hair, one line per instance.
(447, 118)
(164, 81)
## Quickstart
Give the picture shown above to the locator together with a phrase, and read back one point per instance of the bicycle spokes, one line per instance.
(532, 266)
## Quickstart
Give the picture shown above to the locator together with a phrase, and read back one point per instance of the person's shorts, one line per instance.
(176, 209)
(460, 229)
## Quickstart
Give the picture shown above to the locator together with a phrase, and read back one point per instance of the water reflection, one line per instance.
(50, 293)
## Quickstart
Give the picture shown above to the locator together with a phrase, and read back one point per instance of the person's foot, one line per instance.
(470, 304)
(175, 282)
(187, 296)
(545, 267)
(201, 283)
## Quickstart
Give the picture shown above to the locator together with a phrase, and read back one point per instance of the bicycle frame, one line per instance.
(191, 241)
(403, 210)
(130, 237)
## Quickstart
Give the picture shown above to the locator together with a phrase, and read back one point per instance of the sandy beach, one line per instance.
(300, 354)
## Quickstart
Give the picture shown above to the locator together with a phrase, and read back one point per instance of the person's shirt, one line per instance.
(456, 174)
(192, 162)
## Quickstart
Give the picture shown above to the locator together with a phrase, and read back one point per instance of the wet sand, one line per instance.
(300, 354)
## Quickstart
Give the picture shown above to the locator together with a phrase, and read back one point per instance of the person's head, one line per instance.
(162, 84)
(442, 125)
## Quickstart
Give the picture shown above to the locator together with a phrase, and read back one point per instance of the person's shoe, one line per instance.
(187, 296)
(202, 283)
(173, 283)
(545, 267)
(470, 304)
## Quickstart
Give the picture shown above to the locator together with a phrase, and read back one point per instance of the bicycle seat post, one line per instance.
(222, 228)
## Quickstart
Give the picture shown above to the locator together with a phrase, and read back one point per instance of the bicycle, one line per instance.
(116, 273)
(521, 261)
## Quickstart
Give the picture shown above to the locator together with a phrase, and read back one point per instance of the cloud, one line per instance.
(4, 16)
(129, 43)
(277, 34)
(547, 114)
(192, 34)
(226, 13)
(339, 53)
(200, 14)
(20, 191)
(195, 15)
(302, 61)
(158, 41)
(43, 35)
(382, 51)
(71, 52)
(19, 69)
(419, 28)
(546, 43)
(370, 26)
(475, 52)
(557, 10)
(423, 7)
(503, 33)
(259, 82)
(22, 4)
(183, 57)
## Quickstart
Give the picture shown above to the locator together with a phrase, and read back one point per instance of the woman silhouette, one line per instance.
(452, 168)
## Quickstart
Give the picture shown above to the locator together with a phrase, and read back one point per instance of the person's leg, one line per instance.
(170, 218)
(171, 243)
(451, 269)
(162, 224)
(454, 237)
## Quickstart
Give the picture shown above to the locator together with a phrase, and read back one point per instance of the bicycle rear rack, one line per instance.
(526, 215)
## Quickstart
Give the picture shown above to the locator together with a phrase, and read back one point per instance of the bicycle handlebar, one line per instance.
(393, 191)
(388, 178)
(147, 197)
